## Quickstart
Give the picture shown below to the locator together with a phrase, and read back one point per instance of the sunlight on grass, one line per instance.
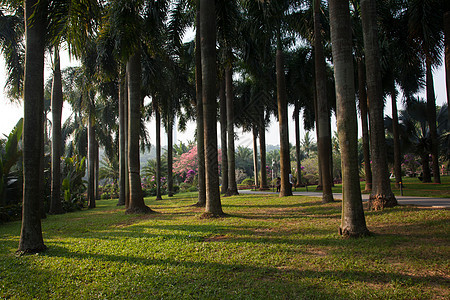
(266, 248)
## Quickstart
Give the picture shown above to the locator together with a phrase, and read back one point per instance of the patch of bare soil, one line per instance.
(216, 238)
(317, 252)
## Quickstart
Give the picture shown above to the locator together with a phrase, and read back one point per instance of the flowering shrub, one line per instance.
(190, 176)
(187, 164)
(411, 165)
(149, 186)
(310, 171)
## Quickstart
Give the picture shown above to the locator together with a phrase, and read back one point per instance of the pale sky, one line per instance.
(10, 113)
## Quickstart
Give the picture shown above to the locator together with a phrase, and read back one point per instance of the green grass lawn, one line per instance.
(411, 187)
(266, 248)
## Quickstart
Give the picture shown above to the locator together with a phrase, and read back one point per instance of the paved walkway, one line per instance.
(402, 200)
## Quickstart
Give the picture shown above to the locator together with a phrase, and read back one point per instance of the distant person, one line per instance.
(278, 184)
(291, 180)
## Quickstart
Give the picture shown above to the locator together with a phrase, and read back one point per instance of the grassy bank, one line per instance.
(267, 248)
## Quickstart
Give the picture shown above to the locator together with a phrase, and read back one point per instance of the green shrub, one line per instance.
(10, 213)
(248, 182)
(176, 189)
(73, 186)
(193, 189)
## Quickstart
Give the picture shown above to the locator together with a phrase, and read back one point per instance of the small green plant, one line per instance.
(10, 153)
(73, 186)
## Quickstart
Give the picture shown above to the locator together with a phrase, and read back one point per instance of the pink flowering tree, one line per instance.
(186, 165)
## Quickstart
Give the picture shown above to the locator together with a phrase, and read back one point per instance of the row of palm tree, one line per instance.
(136, 46)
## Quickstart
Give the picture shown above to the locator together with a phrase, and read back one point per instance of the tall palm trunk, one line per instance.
(158, 150)
(426, 172)
(285, 164)
(122, 137)
(447, 57)
(200, 123)
(353, 222)
(255, 154)
(31, 239)
(136, 204)
(208, 53)
(297, 143)
(431, 112)
(397, 150)
(126, 128)
(170, 191)
(57, 104)
(364, 124)
(381, 195)
(97, 171)
(41, 166)
(322, 108)
(262, 153)
(91, 159)
(232, 186)
(223, 135)
(319, 186)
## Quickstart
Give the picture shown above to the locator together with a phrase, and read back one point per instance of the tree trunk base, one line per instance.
(328, 198)
(319, 188)
(264, 188)
(198, 204)
(139, 210)
(379, 202)
(39, 249)
(286, 194)
(158, 198)
(57, 211)
(232, 193)
(208, 215)
(349, 232)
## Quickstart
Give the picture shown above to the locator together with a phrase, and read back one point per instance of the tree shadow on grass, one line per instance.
(285, 277)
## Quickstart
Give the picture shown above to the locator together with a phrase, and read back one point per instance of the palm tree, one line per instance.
(208, 56)
(31, 239)
(415, 133)
(255, 154)
(12, 47)
(381, 195)
(297, 144)
(199, 112)
(227, 24)
(269, 17)
(362, 93)
(353, 223)
(323, 121)
(232, 186)
(401, 65)
(447, 52)
(223, 135)
(362, 96)
(137, 204)
(126, 24)
(57, 103)
(158, 148)
(285, 165)
(424, 25)
(123, 174)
